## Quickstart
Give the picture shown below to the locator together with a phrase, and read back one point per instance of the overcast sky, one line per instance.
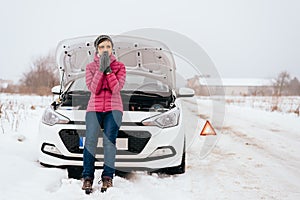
(244, 38)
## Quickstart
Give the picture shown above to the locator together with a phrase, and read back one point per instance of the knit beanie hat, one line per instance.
(100, 39)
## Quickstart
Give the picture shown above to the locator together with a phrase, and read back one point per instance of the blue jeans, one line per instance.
(111, 123)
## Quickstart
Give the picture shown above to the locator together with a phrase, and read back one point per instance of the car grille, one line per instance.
(137, 140)
(71, 140)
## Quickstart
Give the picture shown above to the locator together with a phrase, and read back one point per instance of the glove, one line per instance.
(108, 70)
(104, 61)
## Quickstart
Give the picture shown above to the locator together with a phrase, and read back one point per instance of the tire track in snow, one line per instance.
(272, 169)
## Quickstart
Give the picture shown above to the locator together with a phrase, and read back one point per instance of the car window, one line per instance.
(132, 83)
(79, 85)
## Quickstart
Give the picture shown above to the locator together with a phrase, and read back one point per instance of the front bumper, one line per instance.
(149, 147)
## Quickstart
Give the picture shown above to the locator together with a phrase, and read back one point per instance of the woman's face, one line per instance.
(105, 46)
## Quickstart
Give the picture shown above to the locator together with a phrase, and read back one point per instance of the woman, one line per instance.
(105, 77)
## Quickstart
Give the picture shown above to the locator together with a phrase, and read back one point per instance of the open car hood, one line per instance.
(140, 55)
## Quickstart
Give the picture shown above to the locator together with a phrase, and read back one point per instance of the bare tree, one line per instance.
(195, 84)
(281, 83)
(294, 87)
(41, 77)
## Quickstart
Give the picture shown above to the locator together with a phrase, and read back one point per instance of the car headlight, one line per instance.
(50, 117)
(164, 120)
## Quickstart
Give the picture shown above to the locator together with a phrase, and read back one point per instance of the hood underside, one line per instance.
(140, 55)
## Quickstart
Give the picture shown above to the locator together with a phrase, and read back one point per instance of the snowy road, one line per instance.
(257, 157)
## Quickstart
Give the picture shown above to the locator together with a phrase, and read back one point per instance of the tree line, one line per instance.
(282, 85)
(40, 77)
(43, 74)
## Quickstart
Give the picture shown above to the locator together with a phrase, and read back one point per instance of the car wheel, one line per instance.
(75, 172)
(180, 169)
(122, 174)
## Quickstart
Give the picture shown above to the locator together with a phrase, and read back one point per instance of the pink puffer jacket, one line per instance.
(105, 89)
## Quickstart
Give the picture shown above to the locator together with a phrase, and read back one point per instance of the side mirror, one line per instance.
(56, 90)
(185, 92)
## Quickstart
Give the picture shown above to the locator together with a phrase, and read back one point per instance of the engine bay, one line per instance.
(132, 100)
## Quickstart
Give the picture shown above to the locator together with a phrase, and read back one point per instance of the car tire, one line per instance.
(180, 169)
(74, 172)
(123, 174)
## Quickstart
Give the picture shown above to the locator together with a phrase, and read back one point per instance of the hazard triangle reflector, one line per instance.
(208, 130)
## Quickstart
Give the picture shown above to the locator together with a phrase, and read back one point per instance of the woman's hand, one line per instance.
(104, 61)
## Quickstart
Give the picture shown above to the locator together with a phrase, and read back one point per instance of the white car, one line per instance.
(151, 137)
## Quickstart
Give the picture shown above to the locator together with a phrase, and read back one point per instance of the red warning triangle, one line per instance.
(208, 130)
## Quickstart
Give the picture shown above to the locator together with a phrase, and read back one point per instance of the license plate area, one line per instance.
(121, 143)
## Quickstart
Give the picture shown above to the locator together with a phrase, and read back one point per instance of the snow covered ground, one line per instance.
(257, 157)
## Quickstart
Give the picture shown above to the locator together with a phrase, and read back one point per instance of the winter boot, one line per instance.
(87, 185)
(106, 183)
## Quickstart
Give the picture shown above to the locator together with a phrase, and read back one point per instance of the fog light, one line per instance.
(163, 151)
(51, 149)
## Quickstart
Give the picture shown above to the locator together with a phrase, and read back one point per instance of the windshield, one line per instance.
(133, 83)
